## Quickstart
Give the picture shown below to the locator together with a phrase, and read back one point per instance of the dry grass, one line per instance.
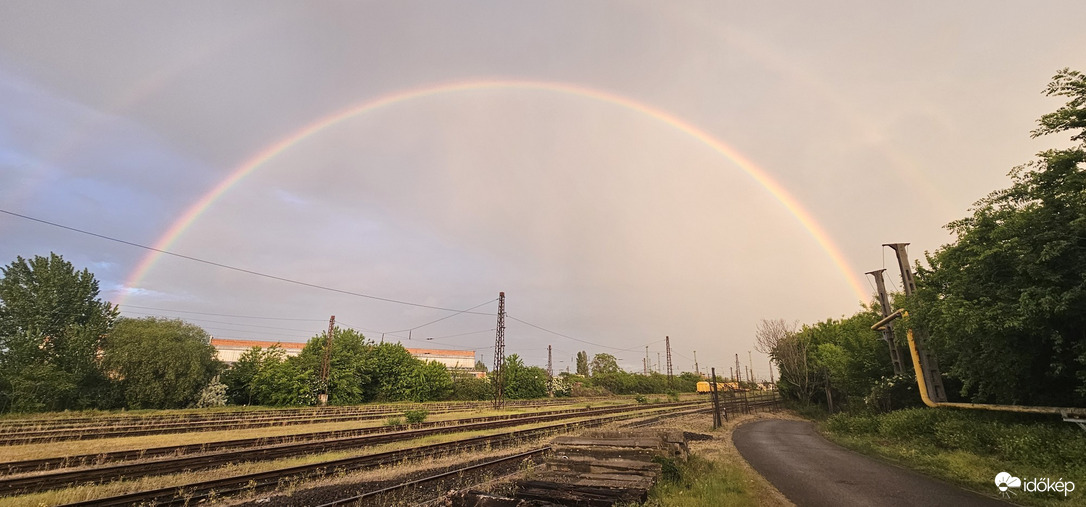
(94, 446)
(90, 492)
(725, 458)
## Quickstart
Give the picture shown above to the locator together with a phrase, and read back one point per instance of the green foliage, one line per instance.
(212, 395)
(240, 379)
(280, 381)
(394, 421)
(52, 324)
(466, 387)
(699, 482)
(892, 393)
(431, 382)
(480, 366)
(640, 398)
(1003, 303)
(523, 382)
(669, 469)
(604, 364)
(415, 416)
(346, 373)
(561, 387)
(582, 363)
(392, 370)
(159, 363)
(1016, 441)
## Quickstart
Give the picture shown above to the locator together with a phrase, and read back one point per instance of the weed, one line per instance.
(640, 398)
(415, 416)
(394, 421)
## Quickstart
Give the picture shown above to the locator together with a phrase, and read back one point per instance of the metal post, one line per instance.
(326, 361)
(716, 401)
(499, 355)
(933, 377)
(667, 343)
(696, 370)
(550, 373)
(888, 330)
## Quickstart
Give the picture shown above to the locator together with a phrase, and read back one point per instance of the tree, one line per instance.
(240, 379)
(432, 382)
(391, 369)
(480, 366)
(52, 323)
(523, 382)
(159, 363)
(603, 364)
(347, 377)
(280, 381)
(582, 363)
(1004, 302)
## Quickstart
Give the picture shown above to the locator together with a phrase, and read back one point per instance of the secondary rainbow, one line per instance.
(194, 211)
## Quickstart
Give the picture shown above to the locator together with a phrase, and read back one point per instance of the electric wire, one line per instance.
(234, 268)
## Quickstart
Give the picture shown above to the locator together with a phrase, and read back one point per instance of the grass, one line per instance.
(90, 492)
(716, 474)
(81, 447)
(969, 448)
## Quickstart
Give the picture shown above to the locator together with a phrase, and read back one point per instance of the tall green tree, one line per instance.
(392, 370)
(281, 381)
(159, 363)
(52, 324)
(523, 382)
(1005, 302)
(582, 363)
(603, 364)
(432, 382)
(347, 377)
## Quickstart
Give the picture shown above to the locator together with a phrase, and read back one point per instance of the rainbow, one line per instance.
(198, 208)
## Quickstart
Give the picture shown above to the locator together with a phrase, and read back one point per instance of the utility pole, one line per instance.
(658, 362)
(550, 373)
(647, 363)
(888, 329)
(326, 362)
(667, 343)
(750, 361)
(696, 370)
(929, 365)
(499, 355)
(716, 401)
(771, 381)
(738, 369)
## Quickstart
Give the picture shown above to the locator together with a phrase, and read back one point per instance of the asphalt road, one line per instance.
(812, 471)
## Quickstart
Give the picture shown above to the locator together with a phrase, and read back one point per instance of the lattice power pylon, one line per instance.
(667, 345)
(499, 355)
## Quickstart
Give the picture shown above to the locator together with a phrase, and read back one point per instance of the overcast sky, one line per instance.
(598, 180)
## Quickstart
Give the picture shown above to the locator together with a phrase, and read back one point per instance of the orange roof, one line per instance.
(437, 352)
(226, 342)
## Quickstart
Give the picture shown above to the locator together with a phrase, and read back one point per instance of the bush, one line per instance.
(913, 423)
(394, 421)
(415, 416)
(853, 424)
(640, 398)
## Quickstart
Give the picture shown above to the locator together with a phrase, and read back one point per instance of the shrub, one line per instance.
(394, 421)
(415, 416)
(853, 424)
(640, 398)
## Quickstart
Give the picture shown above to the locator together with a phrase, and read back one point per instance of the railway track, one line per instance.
(263, 481)
(59, 479)
(103, 458)
(230, 421)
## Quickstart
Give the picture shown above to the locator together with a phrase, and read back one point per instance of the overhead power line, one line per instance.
(556, 333)
(234, 268)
